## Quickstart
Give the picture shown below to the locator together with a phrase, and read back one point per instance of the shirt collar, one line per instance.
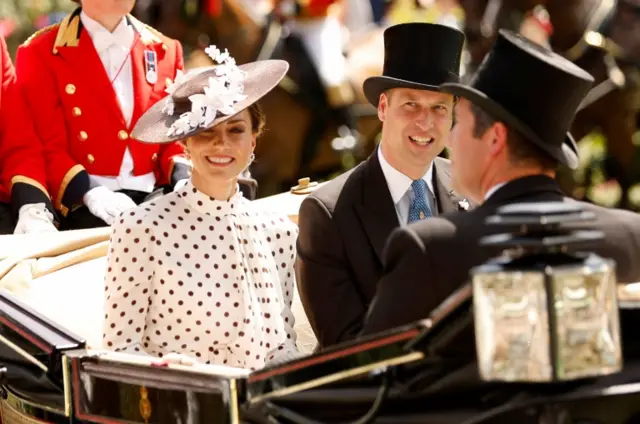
(398, 182)
(492, 190)
(208, 205)
(102, 39)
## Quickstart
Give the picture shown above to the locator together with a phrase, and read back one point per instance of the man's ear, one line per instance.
(383, 104)
(498, 134)
(453, 111)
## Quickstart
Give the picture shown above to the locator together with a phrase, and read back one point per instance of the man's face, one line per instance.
(470, 156)
(416, 125)
(110, 7)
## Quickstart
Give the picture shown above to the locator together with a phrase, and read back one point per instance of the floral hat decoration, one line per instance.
(205, 97)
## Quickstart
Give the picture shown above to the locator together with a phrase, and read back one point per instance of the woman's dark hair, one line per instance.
(258, 119)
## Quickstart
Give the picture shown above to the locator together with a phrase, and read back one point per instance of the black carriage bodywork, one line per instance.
(421, 373)
(52, 377)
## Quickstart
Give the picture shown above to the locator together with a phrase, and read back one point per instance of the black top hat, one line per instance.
(417, 55)
(532, 89)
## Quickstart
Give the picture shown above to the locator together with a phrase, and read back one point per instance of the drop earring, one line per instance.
(252, 157)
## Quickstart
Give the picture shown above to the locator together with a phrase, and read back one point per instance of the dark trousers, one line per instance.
(81, 218)
(7, 224)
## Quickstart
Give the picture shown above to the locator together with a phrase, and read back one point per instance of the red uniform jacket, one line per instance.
(22, 171)
(76, 110)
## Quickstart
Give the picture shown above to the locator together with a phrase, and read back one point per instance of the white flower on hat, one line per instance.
(171, 88)
(220, 95)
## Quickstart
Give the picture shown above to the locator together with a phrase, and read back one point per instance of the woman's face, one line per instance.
(222, 152)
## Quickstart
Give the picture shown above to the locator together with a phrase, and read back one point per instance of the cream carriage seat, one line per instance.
(61, 275)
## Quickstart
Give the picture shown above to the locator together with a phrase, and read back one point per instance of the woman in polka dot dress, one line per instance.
(201, 273)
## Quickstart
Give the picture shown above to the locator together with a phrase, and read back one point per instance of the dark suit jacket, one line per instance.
(427, 261)
(343, 229)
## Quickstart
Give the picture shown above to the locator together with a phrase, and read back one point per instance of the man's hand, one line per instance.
(178, 359)
(34, 218)
(106, 204)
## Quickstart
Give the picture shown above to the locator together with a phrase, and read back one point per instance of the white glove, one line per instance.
(34, 218)
(179, 359)
(106, 204)
(180, 184)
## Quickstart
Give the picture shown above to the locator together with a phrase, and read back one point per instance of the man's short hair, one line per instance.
(520, 149)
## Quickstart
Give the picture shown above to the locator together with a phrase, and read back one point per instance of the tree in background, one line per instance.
(21, 18)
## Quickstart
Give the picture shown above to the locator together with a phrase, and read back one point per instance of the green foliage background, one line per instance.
(25, 15)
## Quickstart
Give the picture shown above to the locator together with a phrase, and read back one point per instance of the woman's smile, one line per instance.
(219, 160)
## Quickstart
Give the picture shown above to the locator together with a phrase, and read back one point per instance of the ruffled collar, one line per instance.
(208, 205)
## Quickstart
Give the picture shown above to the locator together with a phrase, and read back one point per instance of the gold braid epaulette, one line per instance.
(40, 32)
(153, 30)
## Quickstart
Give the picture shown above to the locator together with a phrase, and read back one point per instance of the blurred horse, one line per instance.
(301, 135)
(600, 36)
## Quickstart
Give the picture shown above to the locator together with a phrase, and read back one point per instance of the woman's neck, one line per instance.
(217, 189)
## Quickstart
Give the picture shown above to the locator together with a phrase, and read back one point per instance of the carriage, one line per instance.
(53, 370)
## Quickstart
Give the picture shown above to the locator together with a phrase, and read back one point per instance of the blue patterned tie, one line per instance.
(420, 206)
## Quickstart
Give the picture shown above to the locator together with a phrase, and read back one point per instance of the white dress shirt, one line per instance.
(401, 191)
(113, 49)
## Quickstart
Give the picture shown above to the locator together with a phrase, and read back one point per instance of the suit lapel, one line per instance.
(377, 211)
(448, 200)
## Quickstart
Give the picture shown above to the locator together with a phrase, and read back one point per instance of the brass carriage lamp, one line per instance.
(542, 314)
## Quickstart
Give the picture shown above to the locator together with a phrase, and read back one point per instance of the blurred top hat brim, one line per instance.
(566, 153)
(260, 78)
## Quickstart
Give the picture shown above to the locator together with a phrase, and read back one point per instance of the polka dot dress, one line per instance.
(206, 278)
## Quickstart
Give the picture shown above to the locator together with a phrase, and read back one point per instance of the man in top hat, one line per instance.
(344, 225)
(23, 194)
(87, 81)
(510, 136)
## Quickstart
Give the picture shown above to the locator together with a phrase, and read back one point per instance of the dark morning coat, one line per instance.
(343, 229)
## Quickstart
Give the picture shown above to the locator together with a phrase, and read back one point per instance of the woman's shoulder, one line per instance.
(277, 225)
(143, 215)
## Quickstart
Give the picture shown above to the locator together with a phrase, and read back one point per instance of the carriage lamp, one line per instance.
(542, 314)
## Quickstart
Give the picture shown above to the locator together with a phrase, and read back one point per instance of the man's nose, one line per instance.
(425, 120)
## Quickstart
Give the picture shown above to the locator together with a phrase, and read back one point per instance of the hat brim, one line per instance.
(566, 153)
(261, 77)
(374, 86)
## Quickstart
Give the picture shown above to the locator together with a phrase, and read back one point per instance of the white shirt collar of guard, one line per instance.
(103, 39)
